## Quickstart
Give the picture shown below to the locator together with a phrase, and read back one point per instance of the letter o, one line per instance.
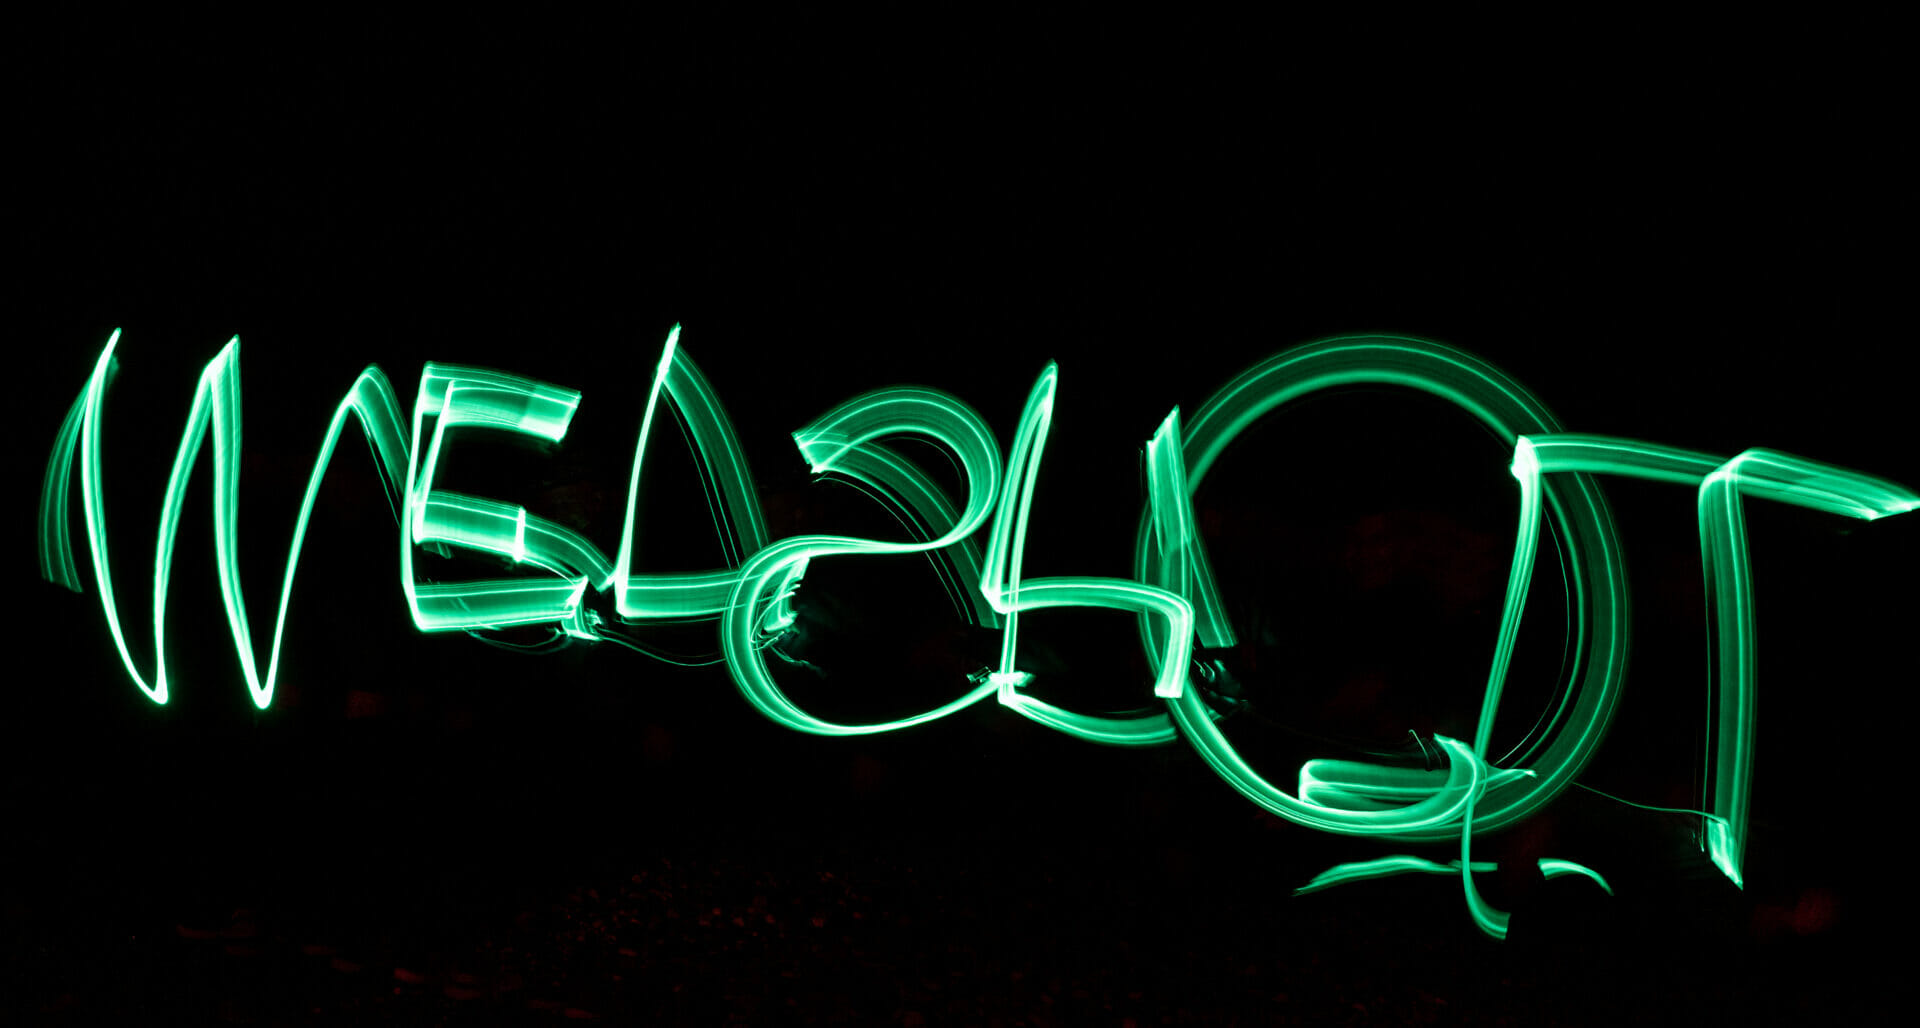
(1560, 746)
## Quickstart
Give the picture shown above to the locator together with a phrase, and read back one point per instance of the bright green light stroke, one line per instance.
(899, 485)
(723, 467)
(1722, 484)
(1598, 598)
(1387, 867)
(1384, 867)
(215, 409)
(463, 397)
(1551, 867)
(846, 437)
(1361, 799)
(1005, 588)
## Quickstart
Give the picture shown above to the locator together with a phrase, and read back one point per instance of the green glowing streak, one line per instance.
(215, 409)
(1554, 755)
(56, 545)
(1350, 797)
(899, 485)
(736, 508)
(1722, 484)
(462, 397)
(1004, 587)
(1551, 867)
(1384, 867)
(846, 437)
(1642, 806)
(1183, 562)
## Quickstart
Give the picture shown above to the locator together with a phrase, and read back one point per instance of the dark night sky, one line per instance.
(1697, 245)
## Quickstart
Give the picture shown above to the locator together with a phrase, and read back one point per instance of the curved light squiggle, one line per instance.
(842, 437)
(1384, 867)
(1551, 867)
(899, 485)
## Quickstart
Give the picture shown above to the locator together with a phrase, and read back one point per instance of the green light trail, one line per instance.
(847, 438)
(1010, 594)
(1174, 593)
(216, 409)
(1476, 794)
(1721, 486)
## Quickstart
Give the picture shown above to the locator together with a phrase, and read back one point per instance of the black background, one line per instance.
(1697, 243)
